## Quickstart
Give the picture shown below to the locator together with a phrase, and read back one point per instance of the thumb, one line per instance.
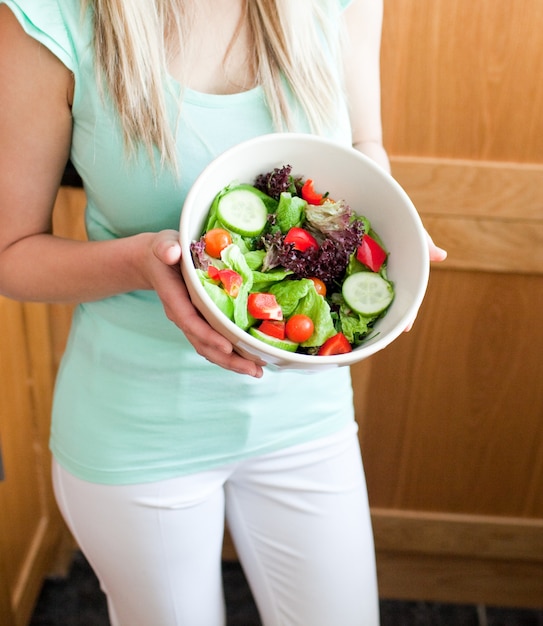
(167, 247)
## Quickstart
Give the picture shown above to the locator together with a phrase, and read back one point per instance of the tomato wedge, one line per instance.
(264, 306)
(230, 279)
(273, 328)
(370, 253)
(301, 239)
(309, 194)
(213, 272)
(338, 344)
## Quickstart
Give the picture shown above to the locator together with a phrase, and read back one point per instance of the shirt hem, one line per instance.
(153, 473)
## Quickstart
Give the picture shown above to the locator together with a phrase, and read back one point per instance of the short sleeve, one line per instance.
(46, 22)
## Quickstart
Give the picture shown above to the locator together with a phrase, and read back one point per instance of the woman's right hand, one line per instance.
(163, 273)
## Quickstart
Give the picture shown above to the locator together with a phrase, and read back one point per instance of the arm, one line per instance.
(35, 134)
(35, 131)
(363, 20)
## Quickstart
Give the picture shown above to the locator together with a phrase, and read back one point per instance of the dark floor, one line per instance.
(78, 601)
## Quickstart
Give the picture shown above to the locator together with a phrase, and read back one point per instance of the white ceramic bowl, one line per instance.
(346, 174)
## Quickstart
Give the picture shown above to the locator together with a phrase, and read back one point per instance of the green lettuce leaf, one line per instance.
(315, 306)
(233, 258)
(354, 326)
(290, 211)
(299, 296)
(289, 293)
(219, 296)
(262, 281)
(254, 258)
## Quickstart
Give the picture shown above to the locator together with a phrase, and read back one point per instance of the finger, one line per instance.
(436, 253)
(208, 342)
(197, 330)
(217, 349)
(409, 326)
(233, 362)
(181, 311)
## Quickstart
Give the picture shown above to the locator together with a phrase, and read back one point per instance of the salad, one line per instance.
(293, 267)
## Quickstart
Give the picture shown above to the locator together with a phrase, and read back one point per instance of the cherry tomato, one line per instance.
(273, 328)
(309, 194)
(299, 328)
(301, 239)
(264, 306)
(338, 344)
(320, 287)
(216, 241)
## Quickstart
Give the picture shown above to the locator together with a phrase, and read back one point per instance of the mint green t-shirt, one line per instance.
(134, 402)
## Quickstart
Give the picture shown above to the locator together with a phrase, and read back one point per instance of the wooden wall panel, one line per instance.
(461, 79)
(33, 538)
(30, 527)
(473, 189)
(23, 509)
(489, 216)
(470, 558)
(463, 429)
(451, 414)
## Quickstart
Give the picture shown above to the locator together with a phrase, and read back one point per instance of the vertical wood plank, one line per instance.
(459, 79)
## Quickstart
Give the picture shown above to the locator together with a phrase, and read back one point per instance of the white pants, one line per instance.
(299, 519)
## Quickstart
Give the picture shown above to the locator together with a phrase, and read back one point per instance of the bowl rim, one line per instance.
(284, 357)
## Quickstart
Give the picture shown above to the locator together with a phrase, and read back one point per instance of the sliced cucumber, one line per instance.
(367, 293)
(243, 212)
(283, 344)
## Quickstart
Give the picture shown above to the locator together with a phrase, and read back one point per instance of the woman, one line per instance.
(159, 428)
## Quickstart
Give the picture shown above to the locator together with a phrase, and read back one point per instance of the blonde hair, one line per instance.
(297, 42)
